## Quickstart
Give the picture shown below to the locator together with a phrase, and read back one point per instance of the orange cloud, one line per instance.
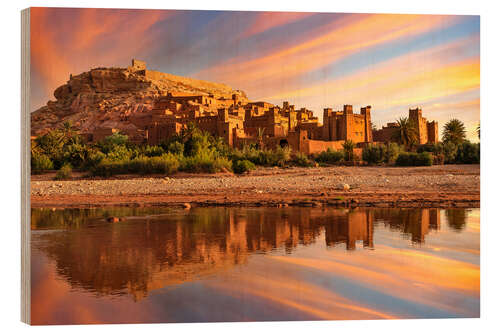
(268, 20)
(103, 37)
(332, 42)
(397, 82)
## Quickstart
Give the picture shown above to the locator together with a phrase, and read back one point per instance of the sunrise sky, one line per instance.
(313, 60)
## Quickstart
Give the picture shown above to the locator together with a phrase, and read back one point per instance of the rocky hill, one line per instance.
(106, 97)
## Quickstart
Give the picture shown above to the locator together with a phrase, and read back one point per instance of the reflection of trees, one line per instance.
(456, 218)
(47, 218)
(153, 251)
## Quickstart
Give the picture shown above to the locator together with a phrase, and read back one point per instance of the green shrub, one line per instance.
(374, 154)
(40, 163)
(438, 159)
(76, 154)
(329, 156)
(302, 160)
(176, 148)
(282, 155)
(424, 159)
(429, 147)
(468, 153)
(414, 159)
(151, 151)
(392, 151)
(93, 159)
(119, 153)
(64, 172)
(449, 150)
(164, 164)
(242, 166)
(204, 162)
(108, 168)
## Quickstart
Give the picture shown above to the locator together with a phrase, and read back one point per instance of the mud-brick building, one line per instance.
(427, 131)
(346, 125)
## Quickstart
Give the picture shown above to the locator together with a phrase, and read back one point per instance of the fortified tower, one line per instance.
(348, 123)
(366, 112)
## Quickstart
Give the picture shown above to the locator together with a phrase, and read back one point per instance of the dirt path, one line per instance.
(436, 186)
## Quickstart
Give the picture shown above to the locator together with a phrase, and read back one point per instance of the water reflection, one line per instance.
(156, 248)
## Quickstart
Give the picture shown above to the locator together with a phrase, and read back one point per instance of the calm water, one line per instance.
(218, 264)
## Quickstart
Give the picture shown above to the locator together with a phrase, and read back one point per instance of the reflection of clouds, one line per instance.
(300, 295)
(406, 274)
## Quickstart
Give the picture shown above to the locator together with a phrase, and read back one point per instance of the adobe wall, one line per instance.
(384, 134)
(100, 133)
(158, 133)
(317, 146)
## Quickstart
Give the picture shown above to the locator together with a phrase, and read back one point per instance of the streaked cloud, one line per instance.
(389, 61)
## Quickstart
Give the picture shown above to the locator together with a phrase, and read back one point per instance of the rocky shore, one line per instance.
(436, 186)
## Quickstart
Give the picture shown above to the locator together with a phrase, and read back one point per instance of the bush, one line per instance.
(438, 159)
(93, 159)
(468, 153)
(176, 148)
(76, 154)
(266, 157)
(40, 163)
(151, 151)
(282, 155)
(424, 159)
(165, 164)
(119, 153)
(64, 172)
(329, 156)
(374, 154)
(449, 150)
(205, 162)
(414, 159)
(302, 160)
(242, 166)
(392, 152)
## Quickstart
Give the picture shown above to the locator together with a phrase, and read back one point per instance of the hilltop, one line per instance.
(107, 97)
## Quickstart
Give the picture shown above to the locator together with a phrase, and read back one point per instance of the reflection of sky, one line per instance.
(396, 279)
(392, 62)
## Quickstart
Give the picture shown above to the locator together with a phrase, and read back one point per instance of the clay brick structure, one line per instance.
(150, 107)
(427, 131)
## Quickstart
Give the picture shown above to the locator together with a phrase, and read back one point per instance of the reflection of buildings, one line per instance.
(416, 223)
(350, 228)
(147, 253)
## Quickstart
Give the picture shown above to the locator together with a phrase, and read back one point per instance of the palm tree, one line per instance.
(348, 146)
(406, 133)
(260, 137)
(454, 132)
(478, 130)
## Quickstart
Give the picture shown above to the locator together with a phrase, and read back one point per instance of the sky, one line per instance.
(315, 60)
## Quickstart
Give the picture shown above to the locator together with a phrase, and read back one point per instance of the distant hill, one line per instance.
(106, 97)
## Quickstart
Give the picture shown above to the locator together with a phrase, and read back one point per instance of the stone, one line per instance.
(346, 187)
(113, 219)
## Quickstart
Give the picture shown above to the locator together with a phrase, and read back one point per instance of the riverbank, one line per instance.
(435, 186)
